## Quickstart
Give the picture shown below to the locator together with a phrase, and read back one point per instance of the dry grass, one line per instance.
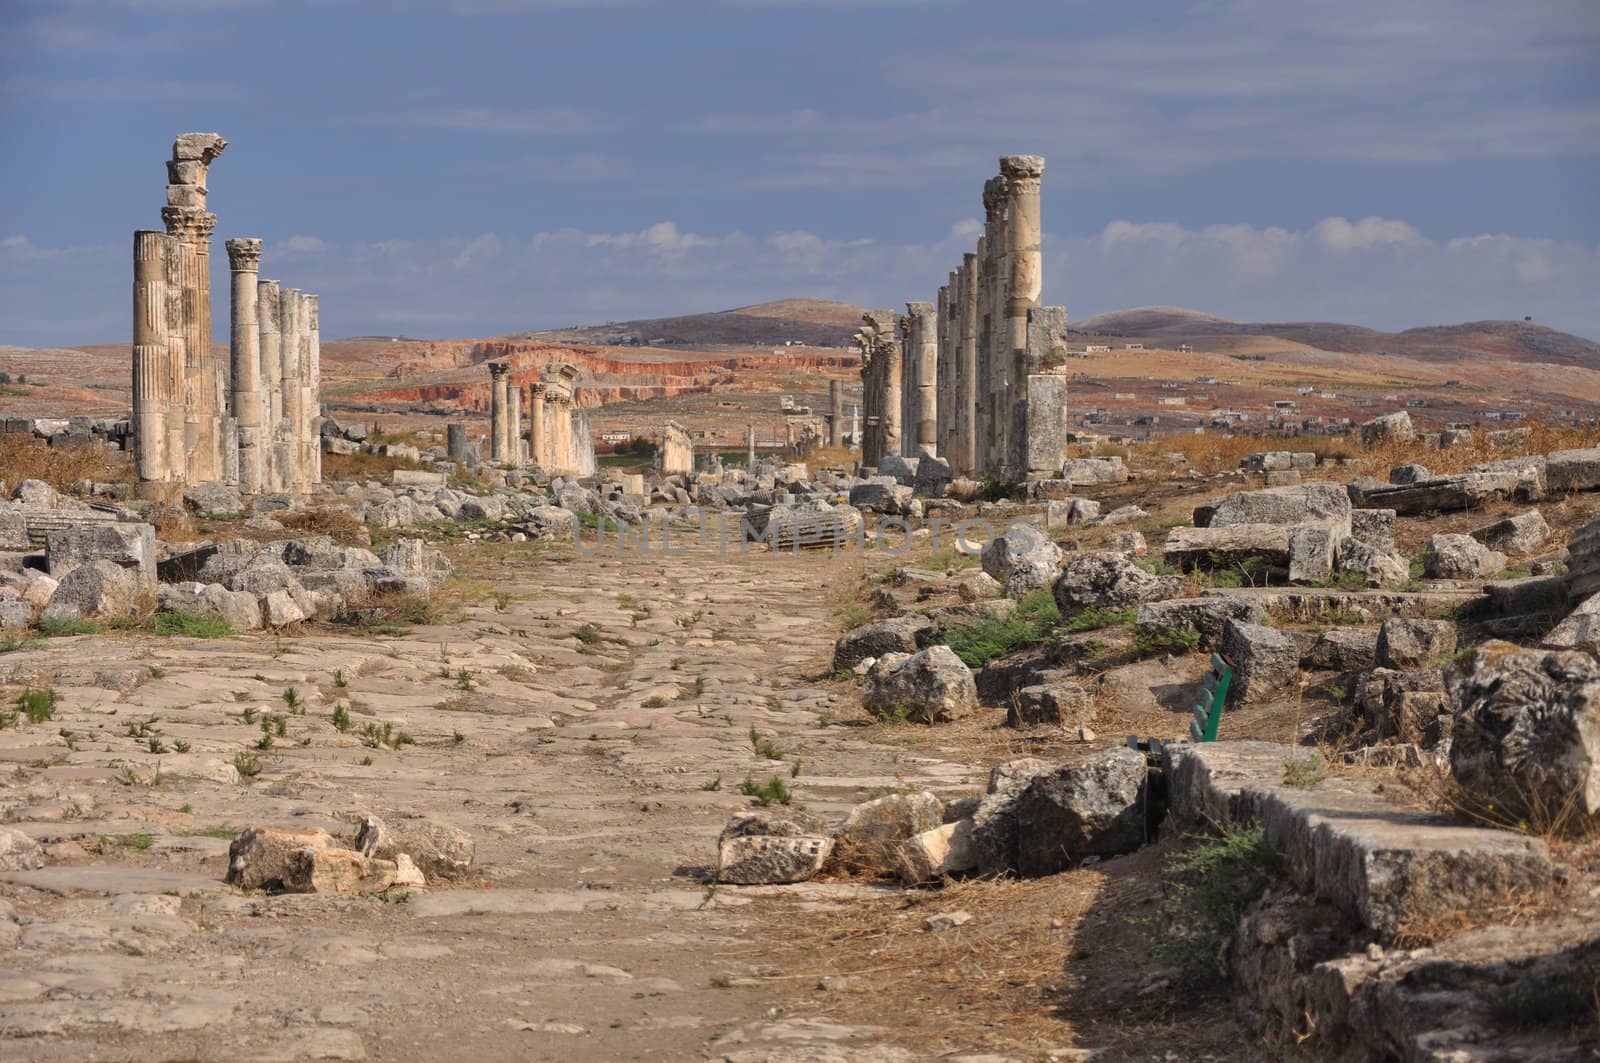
(22, 457)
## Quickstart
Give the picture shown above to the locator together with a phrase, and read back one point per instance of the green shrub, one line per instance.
(57, 628)
(37, 705)
(1208, 887)
(1096, 618)
(1177, 640)
(981, 641)
(773, 792)
(194, 625)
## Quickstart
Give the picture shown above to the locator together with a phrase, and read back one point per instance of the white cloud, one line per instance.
(1376, 271)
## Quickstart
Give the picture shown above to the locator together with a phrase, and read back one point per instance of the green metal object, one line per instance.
(1208, 711)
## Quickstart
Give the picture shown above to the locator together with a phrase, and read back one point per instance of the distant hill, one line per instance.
(815, 322)
(1516, 341)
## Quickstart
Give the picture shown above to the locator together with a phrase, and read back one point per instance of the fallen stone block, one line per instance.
(1050, 705)
(19, 851)
(1345, 842)
(1390, 428)
(129, 546)
(1520, 535)
(1108, 580)
(1093, 807)
(1344, 649)
(1404, 706)
(438, 849)
(259, 857)
(336, 871)
(1205, 616)
(871, 836)
(766, 849)
(98, 590)
(1023, 559)
(896, 635)
(1460, 557)
(938, 853)
(1527, 731)
(1414, 643)
(1312, 503)
(1266, 662)
(932, 686)
(1573, 470)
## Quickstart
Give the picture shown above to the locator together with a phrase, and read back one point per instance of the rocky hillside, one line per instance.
(813, 322)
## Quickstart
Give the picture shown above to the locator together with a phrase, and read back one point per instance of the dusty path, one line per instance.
(573, 733)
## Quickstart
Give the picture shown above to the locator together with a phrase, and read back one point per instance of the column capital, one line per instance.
(538, 388)
(188, 224)
(244, 254)
(994, 197)
(1022, 169)
(497, 370)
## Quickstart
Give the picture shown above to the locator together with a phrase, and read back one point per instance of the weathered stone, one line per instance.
(259, 857)
(896, 635)
(933, 477)
(1344, 649)
(99, 590)
(1312, 549)
(438, 849)
(1086, 471)
(1124, 515)
(239, 608)
(1203, 546)
(280, 609)
(1460, 557)
(1204, 616)
(1109, 580)
(764, 848)
(1374, 527)
(1527, 730)
(129, 546)
(1390, 428)
(19, 851)
(213, 498)
(994, 825)
(1345, 842)
(1023, 559)
(1415, 643)
(1521, 534)
(329, 870)
(932, 686)
(978, 587)
(1409, 474)
(1470, 490)
(1050, 705)
(1378, 566)
(872, 833)
(1327, 503)
(1580, 630)
(1400, 705)
(1266, 662)
(935, 854)
(880, 495)
(1092, 807)
(414, 559)
(1573, 470)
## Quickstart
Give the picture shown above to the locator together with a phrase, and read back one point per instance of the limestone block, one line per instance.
(129, 546)
(13, 528)
(1460, 557)
(763, 848)
(872, 833)
(1373, 526)
(932, 686)
(1266, 662)
(1087, 471)
(1344, 649)
(945, 850)
(1409, 474)
(1413, 643)
(438, 849)
(1380, 566)
(18, 851)
(1312, 549)
(1573, 470)
(99, 590)
(336, 871)
(1207, 616)
(259, 857)
(1091, 807)
(1318, 502)
(280, 609)
(1023, 559)
(896, 635)
(1050, 705)
(1521, 534)
(1390, 428)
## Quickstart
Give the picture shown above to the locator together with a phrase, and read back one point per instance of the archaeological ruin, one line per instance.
(976, 378)
(252, 421)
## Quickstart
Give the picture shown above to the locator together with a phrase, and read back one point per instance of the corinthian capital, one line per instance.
(1022, 172)
(244, 254)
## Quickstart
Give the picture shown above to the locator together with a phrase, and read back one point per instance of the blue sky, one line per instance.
(440, 168)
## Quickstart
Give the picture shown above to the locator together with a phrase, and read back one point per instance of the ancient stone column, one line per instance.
(244, 259)
(538, 445)
(289, 376)
(455, 444)
(836, 413)
(943, 370)
(514, 423)
(880, 385)
(750, 444)
(271, 375)
(313, 385)
(966, 453)
(498, 374)
(188, 221)
(1024, 278)
(1044, 401)
(177, 453)
(151, 399)
(922, 354)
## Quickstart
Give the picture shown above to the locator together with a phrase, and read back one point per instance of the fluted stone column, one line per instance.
(514, 423)
(1024, 282)
(836, 413)
(271, 372)
(151, 379)
(538, 445)
(922, 355)
(244, 259)
(750, 444)
(289, 343)
(498, 403)
(313, 376)
(967, 369)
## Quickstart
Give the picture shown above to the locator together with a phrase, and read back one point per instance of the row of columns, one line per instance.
(252, 420)
(554, 441)
(882, 359)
